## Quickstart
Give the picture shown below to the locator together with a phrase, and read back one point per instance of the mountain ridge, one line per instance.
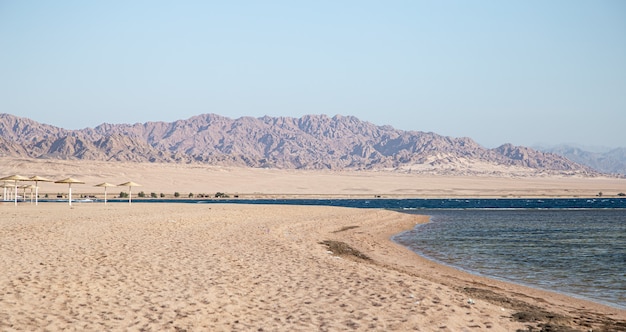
(309, 142)
(611, 161)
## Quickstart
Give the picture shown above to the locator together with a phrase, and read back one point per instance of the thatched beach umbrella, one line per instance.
(69, 181)
(129, 184)
(14, 178)
(38, 179)
(105, 185)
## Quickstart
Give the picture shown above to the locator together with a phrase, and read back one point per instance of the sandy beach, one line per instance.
(219, 267)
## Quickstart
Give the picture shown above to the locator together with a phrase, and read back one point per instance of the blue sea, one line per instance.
(579, 252)
(574, 246)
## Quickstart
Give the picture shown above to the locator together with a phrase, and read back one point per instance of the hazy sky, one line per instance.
(515, 71)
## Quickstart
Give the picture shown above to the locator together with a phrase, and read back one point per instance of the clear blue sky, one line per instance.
(514, 71)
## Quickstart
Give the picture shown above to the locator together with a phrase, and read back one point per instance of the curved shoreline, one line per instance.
(537, 303)
(249, 267)
(504, 278)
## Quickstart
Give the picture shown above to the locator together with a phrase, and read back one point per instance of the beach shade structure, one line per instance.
(38, 179)
(105, 185)
(69, 181)
(5, 186)
(14, 178)
(31, 187)
(130, 185)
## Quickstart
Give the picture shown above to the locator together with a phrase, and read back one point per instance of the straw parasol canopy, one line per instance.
(38, 179)
(69, 181)
(105, 185)
(15, 178)
(129, 184)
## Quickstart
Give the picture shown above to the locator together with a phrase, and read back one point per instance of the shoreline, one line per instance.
(559, 310)
(260, 196)
(250, 267)
(505, 280)
(278, 200)
(521, 284)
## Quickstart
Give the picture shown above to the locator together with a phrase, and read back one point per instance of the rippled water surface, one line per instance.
(577, 252)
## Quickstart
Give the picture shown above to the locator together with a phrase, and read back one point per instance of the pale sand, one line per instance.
(214, 267)
(251, 183)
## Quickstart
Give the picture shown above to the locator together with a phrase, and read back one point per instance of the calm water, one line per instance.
(421, 203)
(579, 252)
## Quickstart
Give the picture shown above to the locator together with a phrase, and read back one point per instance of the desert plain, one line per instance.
(198, 179)
(236, 267)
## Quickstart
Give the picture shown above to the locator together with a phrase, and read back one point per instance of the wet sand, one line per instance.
(174, 267)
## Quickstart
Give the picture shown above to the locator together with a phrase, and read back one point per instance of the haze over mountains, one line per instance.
(611, 161)
(309, 142)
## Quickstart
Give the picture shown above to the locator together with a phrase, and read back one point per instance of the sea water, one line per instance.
(578, 252)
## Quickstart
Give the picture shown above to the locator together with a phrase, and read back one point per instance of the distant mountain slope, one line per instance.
(611, 162)
(309, 142)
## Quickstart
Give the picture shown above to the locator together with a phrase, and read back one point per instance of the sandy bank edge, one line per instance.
(203, 261)
(534, 306)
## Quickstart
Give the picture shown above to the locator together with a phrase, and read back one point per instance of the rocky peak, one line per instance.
(309, 142)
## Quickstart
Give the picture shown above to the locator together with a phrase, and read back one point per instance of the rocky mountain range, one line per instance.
(610, 161)
(309, 142)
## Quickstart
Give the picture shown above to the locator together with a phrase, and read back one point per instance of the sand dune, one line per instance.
(214, 267)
